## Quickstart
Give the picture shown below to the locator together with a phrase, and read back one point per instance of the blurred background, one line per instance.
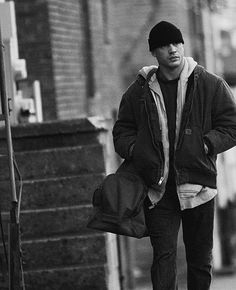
(73, 59)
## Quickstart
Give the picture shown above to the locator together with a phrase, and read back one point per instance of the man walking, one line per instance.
(173, 121)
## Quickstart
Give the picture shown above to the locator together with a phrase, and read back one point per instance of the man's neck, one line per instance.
(170, 74)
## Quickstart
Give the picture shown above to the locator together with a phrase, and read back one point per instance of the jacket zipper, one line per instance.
(160, 180)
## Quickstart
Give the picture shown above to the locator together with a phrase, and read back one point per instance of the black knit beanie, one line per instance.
(164, 33)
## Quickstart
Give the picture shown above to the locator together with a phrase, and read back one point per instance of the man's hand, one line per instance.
(206, 148)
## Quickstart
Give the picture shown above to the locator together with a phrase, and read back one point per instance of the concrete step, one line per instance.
(56, 162)
(64, 252)
(53, 192)
(66, 278)
(55, 222)
(86, 278)
(39, 136)
(52, 222)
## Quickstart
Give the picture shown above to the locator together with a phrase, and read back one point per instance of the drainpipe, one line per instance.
(88, 56)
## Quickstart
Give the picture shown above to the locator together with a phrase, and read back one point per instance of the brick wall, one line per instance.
(67, 39)
(51, 40)
(68, 47)
(34, 46)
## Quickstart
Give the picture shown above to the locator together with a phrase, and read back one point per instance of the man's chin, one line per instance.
(174, 64)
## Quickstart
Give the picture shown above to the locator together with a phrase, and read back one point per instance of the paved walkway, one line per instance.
(220, 282)
(226, 282)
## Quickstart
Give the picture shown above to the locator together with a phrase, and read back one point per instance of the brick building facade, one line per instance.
(67, 48)
(85, 53)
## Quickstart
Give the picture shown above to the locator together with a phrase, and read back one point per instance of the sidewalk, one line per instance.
(226, 282)
(220, 282)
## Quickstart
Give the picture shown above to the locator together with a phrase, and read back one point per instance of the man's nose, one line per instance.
(172, 48)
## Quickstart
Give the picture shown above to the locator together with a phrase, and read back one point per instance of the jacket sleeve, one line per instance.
(125, 128)
(223, 134)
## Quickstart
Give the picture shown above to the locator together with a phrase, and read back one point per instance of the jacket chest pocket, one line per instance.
(193, 141)
(192, 148)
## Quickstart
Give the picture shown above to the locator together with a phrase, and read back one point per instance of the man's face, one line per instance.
(170, 56)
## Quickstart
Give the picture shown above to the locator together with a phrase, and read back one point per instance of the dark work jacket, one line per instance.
(209, 116)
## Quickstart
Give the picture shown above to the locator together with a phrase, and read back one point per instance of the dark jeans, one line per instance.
(163, 223)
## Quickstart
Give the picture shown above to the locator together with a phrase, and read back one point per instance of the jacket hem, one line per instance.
(201, 177)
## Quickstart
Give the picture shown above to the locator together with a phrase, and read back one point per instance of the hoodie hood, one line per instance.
(146, 69)
(189, 65)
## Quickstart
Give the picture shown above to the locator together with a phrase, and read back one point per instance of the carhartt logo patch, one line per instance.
(188, 131)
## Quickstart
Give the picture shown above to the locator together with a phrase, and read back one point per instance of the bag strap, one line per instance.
(142, 81)
(150, 74)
